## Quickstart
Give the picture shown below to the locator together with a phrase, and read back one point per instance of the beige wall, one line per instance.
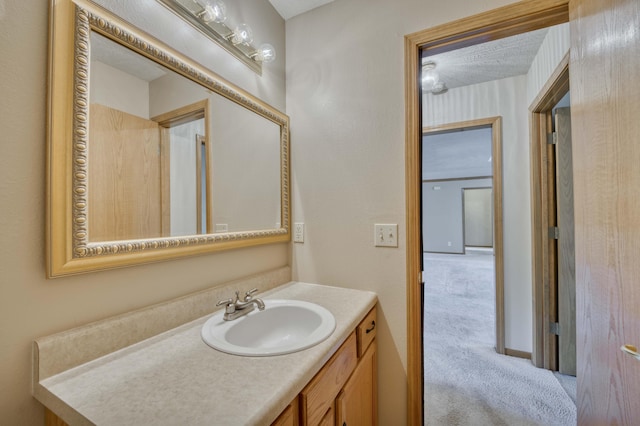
(32, 306)
(345, 96)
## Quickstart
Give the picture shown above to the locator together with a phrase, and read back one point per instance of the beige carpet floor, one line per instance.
(466, 381)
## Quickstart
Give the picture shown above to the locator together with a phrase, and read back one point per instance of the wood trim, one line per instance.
(554, 89)
(517, 353)
(506, 21)
(516, 18)
(543, 249)
(413, 187)
(496, 169)
(199, 142)
(165, 180)
(184, 114)
(498, 243)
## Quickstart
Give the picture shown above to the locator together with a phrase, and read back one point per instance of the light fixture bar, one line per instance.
(237, 42)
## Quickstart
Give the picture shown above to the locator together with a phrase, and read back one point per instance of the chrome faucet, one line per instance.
(235, 308)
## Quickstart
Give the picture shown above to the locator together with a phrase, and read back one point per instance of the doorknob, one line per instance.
(630, 350)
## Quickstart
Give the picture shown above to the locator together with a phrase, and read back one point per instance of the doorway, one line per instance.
(446, 172)
(553, 241)
(506, 21)
(477, 207)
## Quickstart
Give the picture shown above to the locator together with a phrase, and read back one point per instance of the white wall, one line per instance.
(345, 96)
(554, 46)
(116, 89)
(443, 215)
(32, 306)
(182, 177)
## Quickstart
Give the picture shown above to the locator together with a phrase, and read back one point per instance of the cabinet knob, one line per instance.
(630, 350)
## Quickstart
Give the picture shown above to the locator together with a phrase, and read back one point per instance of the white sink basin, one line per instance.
(284, 326)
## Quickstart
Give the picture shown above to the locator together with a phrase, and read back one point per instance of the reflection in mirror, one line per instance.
(150, 155)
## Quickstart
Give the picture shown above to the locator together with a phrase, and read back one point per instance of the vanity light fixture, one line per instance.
(215, 11)
(243, 34)
(210, 17)
(266, 53)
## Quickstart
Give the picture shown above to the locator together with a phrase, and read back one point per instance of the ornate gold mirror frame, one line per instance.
(69, 250)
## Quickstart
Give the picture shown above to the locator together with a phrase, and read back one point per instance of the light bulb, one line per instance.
(439, 88)
(266, 53)
(242, 34)
(215, 11)
(430, 77)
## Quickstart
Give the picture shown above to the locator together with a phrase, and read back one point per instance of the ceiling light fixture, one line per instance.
(431, 80)
(210, 17)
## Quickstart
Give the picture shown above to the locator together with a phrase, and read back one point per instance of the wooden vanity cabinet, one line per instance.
(344, 392)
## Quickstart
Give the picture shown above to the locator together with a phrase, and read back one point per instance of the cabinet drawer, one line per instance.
(321, 392)
(366, 331)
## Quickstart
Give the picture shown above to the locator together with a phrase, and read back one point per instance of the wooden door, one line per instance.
(356, 403)
(124, 181)
(478, 217)
(566, 253)
(605, 98)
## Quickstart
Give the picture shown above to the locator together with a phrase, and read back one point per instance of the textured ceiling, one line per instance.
(290, 8)
(494, 60)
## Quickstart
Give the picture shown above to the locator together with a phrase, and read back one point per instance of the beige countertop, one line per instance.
(175, 378)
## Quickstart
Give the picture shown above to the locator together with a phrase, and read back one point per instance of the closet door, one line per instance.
(605, 103)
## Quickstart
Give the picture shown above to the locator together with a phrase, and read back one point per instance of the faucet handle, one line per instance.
(230, 306)
(249, 295)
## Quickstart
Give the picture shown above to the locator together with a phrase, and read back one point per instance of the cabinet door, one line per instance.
(357, 402)
(289, 417)
(320, 394)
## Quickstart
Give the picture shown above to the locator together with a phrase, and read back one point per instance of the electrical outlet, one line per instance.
(449, 243)
(222, 227)
(385, 235)
(298, 232)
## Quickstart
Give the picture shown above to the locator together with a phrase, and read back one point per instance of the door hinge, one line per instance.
(552, 138)
(554, 328)
(554, 232)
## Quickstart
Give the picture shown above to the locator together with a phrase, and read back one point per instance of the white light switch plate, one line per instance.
(298, 232)
(385, 235)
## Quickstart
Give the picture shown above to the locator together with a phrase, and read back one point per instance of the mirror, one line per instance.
(150, 155)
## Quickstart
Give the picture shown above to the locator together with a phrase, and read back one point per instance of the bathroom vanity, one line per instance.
(126, 370)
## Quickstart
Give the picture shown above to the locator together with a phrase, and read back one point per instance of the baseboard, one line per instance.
(518, 354)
